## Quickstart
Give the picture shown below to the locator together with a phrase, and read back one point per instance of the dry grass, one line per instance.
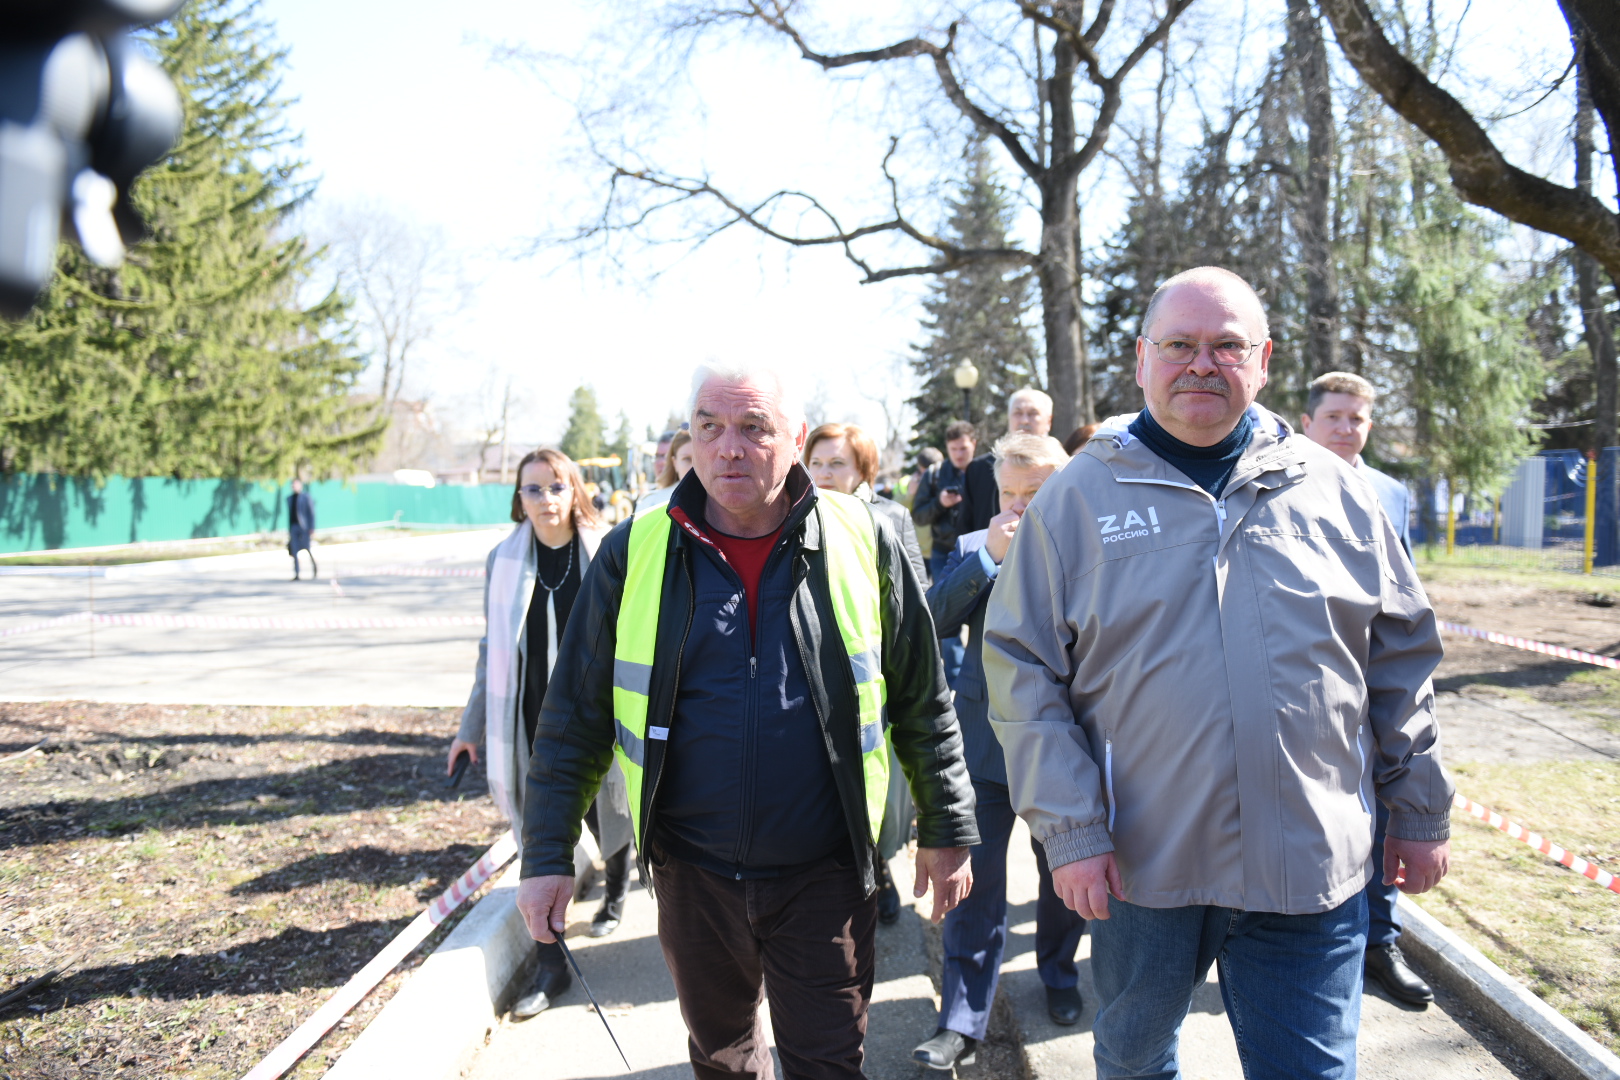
(1555, 931)
(204, 877)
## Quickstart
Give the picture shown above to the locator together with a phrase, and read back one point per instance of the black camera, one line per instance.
(82, 112)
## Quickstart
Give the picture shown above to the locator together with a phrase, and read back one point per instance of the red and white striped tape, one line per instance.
(289, 1050)
(255, 622)
(63, 620)
(250, 622)
(1561, 651)
(1541, 844)
(414, 571)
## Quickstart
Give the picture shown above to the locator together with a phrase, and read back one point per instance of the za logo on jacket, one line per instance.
(1132, 527)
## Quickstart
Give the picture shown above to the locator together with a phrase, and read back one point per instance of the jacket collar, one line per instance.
(689, 501)
(1274, 456)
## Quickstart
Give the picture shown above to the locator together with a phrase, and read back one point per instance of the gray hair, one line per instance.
(1026, 451)
(1029, 393)
(790, 400)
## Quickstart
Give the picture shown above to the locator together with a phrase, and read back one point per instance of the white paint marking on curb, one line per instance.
(1531, 1025)
(347, 996)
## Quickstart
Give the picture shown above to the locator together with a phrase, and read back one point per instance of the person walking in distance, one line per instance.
(1338, 415)
(1207, 657)
(301, 527)
(748, 653)
(531, 585)
(976, 932)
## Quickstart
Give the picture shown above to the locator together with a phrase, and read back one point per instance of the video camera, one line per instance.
(82, 112)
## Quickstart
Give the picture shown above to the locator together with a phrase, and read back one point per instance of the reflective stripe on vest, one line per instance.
(850, 541)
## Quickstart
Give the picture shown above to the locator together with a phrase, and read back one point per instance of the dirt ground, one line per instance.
(1557, 933)
(1554, 608)
(202, 877)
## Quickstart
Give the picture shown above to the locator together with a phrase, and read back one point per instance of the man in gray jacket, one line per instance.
(1205, 660)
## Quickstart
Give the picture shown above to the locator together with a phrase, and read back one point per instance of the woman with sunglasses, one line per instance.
(531, 580)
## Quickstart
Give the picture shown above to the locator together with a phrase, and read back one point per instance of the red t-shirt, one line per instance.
(747, 556)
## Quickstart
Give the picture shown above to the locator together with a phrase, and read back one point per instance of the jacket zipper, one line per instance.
(1108, 775)
(1361, 782)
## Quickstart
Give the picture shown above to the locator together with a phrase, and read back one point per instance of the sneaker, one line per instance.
(946, 1050)
(1387, 967)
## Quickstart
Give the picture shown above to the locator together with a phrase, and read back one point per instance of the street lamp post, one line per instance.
(966, 377)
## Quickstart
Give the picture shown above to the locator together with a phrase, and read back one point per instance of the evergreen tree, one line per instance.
(979, 314)
(621, 441)
(586, 436)
(196, 358)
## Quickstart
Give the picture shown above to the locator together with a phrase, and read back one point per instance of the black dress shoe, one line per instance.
(550, 983)
(617, 887)
(1064, 1005)
(1387, 967)
(946, 1050)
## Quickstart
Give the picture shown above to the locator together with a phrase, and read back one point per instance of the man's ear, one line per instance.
(1304, 423)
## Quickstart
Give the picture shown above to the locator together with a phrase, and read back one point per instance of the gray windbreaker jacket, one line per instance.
(1216, 690)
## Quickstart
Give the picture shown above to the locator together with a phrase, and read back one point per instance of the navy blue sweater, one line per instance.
(747, 788)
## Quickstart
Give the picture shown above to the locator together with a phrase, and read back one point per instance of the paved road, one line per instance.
(414, 666)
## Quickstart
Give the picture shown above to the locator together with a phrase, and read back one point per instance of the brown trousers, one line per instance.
(805, 941)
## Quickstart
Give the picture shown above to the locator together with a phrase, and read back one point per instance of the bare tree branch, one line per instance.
(1478, 169)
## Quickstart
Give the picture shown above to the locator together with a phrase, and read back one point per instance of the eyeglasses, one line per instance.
(534, 491)
(1227, 352)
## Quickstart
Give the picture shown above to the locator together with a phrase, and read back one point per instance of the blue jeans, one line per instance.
(1383, 917)
(1291, 984)
(976, 930)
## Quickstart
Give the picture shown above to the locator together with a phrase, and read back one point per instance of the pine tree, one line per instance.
(979, 313)
(587, 434)
(197, 357)
(622, 441)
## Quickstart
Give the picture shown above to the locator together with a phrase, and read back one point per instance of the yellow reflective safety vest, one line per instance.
(849, 539)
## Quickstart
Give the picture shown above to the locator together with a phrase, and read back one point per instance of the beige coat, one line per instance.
(1216, 690)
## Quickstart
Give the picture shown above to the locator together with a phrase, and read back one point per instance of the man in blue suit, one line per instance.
(976, 930)
(1338, 415)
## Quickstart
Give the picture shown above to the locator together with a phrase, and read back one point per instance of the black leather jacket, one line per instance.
(573, 745)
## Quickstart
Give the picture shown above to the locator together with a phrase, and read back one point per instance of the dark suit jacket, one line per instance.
(959, 595)
(981, 500)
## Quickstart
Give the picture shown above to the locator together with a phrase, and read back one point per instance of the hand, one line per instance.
(457, 748)
(1002, 527)
(951, 872)
(1415, 865)
(543, 902)
(949, 498)
(1086, 885)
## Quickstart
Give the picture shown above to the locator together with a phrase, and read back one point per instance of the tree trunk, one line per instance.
(1316, 239)
(1058, 269)
(1067, 377)
(1599, 336)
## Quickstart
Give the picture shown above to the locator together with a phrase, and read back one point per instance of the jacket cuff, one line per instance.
(1076, 844)
(472, 725)
(545, 864)
(1407, 826)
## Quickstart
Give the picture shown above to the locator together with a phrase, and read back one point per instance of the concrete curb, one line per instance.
(440, 1018)
(1535, 1028)
(443, 1016)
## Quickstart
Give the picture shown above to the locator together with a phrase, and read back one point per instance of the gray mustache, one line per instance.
(1209, 384)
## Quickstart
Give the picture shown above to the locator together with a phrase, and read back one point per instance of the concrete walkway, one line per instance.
(382, 666)
(628, 974)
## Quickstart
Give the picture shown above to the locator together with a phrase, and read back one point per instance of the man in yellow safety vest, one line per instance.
(749, 652)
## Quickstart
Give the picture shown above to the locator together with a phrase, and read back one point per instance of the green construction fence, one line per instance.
(40, 513)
